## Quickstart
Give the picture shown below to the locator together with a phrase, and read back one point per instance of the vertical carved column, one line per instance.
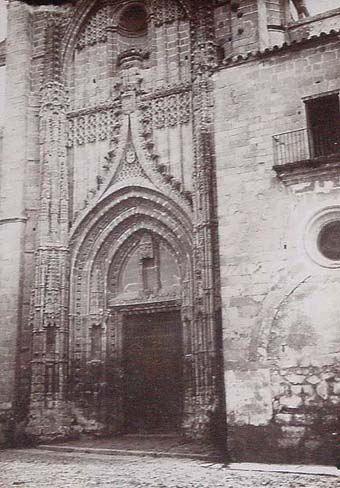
(114, 371)
(49, 310)
(205, 332)
(112, 41)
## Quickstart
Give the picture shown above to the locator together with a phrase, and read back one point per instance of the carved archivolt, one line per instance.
(103, 242)
(134, 229)
(124, 203)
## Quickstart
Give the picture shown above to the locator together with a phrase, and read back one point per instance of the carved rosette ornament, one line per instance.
(49, 307)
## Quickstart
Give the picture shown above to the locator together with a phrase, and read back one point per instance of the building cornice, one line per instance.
(295, 45)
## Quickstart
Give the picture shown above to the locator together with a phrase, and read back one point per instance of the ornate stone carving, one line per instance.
(206, 291)
(204, 57)
(132, 57)
(53, 98)
(49, 306)
(166, 12)
(95, 31)
(146, 247)
(170, 106)
(54, 27)
(171, 110)
(129, 167)
(107, 234)
(155, 108)
(104, 235)
(89, 125)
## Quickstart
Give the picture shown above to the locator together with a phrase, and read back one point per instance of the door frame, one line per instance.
(117, 316)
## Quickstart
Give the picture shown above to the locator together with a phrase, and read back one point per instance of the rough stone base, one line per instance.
(273, 444)
(49, 423)
(6, 428)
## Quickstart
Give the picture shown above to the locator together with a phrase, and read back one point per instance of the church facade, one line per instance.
(170, 224)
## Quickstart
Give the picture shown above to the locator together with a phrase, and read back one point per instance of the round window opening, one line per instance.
(134, 19)
(329, 240)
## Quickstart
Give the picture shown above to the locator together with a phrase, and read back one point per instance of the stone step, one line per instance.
(127, 452)
(145, 444)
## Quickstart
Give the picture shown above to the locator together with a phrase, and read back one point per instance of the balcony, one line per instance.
(307, 151)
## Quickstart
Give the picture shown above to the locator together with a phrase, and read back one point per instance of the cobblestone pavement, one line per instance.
(41, 469)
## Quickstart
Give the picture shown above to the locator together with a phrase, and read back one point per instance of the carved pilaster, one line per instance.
(204, 54)
(49, 310)
(206, 360)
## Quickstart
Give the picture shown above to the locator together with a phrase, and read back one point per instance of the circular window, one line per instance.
(134, 19)
(329, 240)
(322, 237)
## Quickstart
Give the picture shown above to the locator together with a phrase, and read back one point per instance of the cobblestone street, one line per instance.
(42, 469)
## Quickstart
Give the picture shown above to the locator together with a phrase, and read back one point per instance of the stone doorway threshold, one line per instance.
(157, 445)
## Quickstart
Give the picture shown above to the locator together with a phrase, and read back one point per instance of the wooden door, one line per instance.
(153, 377)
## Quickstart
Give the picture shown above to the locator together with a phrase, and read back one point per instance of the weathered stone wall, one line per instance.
(2, 94)
(13, 180)
(280, 307)
(31, 174)
(1, 139)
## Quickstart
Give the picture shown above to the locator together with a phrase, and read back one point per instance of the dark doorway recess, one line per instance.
(323, 116)
(153, 372)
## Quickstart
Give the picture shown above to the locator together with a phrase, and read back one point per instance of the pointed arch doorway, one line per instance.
(146, 295)
(132, 273)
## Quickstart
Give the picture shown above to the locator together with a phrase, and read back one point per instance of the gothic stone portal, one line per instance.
(131, 168)
(151, 340)
(133, 355)
(153, 393)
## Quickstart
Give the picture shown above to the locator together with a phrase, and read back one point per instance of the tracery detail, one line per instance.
(171, 110)
(93, 124)
(166, 12)
(95, 31)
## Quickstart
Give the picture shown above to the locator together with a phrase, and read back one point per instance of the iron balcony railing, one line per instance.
(306, 144)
